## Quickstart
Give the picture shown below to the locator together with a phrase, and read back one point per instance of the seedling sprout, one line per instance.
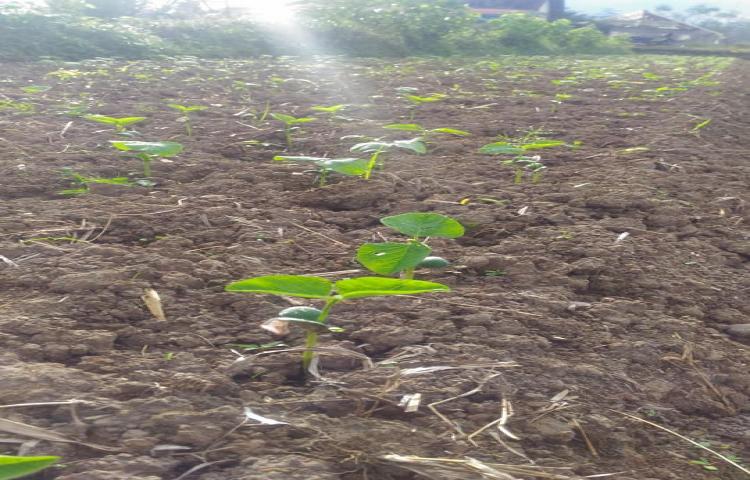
(424, 132)
(118, 123)
(186, 110)
(16, 467)
(290, 124)
(148, 151)
(354, 167)
(314, 320)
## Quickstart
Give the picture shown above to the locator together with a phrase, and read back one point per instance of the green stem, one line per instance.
(408, 274)
(312, 336)
(535, 177)
(518, 179)
(371, 164)
(146, 165)
(288, 135)
(188, 128)
(322, 178)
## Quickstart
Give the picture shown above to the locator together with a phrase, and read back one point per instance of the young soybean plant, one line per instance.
(290, 124)
(390, 258)
(377, 148)
(118, 123)
(186, 110)
(417, 100)
(424, 132)
(148, 151)
(16, 467)
(353, 167)
(314, 320)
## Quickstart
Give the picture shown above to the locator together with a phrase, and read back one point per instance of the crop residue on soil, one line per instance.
(616, 283)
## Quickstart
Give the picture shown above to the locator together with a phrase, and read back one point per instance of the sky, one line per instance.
(624, 6)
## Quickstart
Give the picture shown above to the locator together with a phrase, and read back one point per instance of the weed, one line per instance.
(118, 123)
(314, 320)
(15, 467)
(290, 124)
(355, 167)
(20, 107)
(390, 258)
(32, 89)
(332, 109)
(147, 151)
(186, 110)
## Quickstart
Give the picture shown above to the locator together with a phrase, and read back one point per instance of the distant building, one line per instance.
(552, 9)
(646, 28)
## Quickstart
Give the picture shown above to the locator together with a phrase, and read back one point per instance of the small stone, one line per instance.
(553, 431)
(740, 331)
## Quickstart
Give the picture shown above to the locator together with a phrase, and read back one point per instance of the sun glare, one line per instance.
(271, 11)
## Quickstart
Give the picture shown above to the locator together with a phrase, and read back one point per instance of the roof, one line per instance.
(644, 18)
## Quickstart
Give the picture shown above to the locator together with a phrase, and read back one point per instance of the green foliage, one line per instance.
(354, 167)
(392, 28)
(377, 148)
(147, 151)
(390, 258)
(323, 289)
(81, 182)
(290, 124)
(118, 123)
(16, 467)
(186, 110)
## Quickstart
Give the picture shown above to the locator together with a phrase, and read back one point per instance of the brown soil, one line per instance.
(550, 312)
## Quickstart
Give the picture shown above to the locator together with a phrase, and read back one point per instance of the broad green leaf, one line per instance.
(305, 313)
(35, 88)
(422, 224)
(124, 121)
(380, 286)
(416, 145)
(451, 131)
(331, 109)
(16, 467)
(542, 144)
(347, 166)
(389, 258)
(371, 147)
(500, 148)
(186, 108)
(284, 285)
(435, 97)
(433, 262)
(159, 149)
(302, 120)
(407, 127)
(283, 117)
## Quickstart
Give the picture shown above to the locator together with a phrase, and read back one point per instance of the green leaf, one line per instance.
(420, 225)
(284, 285)
(542, 144)
(407, 127)
(35, 88)
(433, 262)
(416, 99)
(416, 145)
(347, 166)
(186, 109)
(380, 286)
(159, 149)
(451, 131)
(290, 120)
(389, 258)
(500, 148)
(16, 467)
(331, 109)
(305, 313)
(124, 121)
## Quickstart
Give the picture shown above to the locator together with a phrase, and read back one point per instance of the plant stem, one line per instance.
(322, 177)
(518, 179)
(288, 136)
(188, 128)
(146, 165)
(312, 336)
(408, 274)
(371, 164)
(535, 177)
